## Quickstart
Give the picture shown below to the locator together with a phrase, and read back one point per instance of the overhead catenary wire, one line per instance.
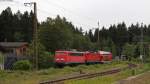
(77, 22)
(18, 5)
(48, 13)
(72, 13)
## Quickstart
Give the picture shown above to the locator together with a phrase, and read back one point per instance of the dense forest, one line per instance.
(58, 33)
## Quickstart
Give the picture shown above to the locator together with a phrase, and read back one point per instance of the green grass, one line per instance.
(31, 77)
(112, 79)
(140, 79)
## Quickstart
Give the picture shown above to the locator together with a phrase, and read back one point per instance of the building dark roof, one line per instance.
(12, 44)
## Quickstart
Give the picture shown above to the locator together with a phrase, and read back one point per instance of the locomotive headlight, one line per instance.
(62, 59)
(57, 59)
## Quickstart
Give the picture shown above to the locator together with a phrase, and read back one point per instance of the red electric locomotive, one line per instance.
(69, 57)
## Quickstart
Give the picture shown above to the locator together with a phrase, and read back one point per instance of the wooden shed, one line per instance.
(16, 48)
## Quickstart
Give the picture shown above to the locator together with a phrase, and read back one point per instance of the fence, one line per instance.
(1, 61)
(10, 59)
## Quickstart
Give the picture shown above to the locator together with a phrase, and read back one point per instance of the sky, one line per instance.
(87, 13)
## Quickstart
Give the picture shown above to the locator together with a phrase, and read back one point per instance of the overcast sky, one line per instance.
(87, 13)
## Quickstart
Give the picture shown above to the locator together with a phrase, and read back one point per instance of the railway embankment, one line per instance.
(35, 77)
(137, 79)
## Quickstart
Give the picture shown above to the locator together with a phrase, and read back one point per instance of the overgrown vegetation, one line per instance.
(45, 59)
(34, 77)
(113, 79)
(22, 65)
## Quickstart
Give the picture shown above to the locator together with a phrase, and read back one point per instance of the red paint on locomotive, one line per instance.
(70, 57)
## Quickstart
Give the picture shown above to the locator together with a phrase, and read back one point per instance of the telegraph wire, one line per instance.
(70, 11)
(48, 13)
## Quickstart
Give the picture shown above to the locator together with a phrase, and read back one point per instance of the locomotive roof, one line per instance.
(100, 52)
(71, 51)
(104, 52)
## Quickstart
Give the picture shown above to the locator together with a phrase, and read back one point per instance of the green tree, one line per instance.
(6, 26)
(56, 34)
(129, 51)
(81, 42)
(45, 60)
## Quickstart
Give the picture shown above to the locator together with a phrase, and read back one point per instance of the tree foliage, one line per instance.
(45, 60)
(15, 27)
(58, 33)
(129, 51)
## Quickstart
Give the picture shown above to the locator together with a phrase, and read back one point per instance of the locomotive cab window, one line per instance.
(76, 54)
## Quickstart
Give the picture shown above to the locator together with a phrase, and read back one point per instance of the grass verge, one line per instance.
(34, 77)
(112, 79)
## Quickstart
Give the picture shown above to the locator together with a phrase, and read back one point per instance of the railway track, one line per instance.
(89, 75)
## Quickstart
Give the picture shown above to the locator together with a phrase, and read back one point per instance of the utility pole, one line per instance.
(98, 37)
(35, 34)
(141, 45)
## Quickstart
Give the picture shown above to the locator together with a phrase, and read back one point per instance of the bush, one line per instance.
(45, 60)
(22, 65)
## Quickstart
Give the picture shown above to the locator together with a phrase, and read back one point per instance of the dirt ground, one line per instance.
(139, 79)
